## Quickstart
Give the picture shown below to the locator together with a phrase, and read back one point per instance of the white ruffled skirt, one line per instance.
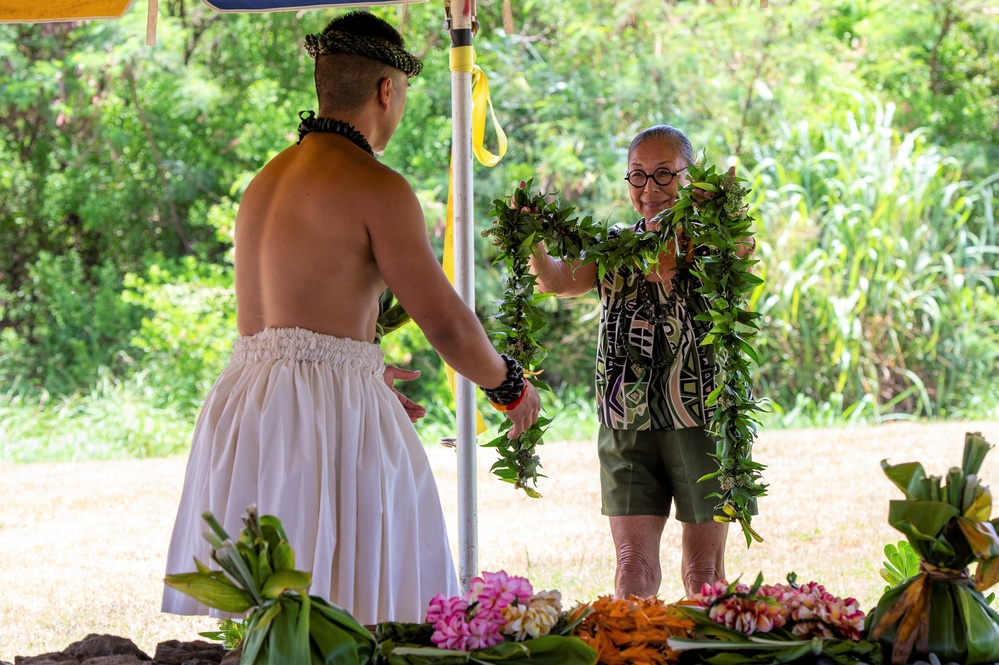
(302, 426)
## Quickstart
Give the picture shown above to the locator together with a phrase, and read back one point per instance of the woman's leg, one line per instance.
(703, 558)
(636, 541)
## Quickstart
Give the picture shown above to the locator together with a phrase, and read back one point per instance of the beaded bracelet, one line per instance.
(511, 391)
(503, 408)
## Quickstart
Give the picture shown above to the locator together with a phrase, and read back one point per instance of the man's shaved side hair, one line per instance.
(345, 82)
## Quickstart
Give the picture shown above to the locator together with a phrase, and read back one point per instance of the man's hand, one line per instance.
(513, 197)
(526, 413)
(393, 374)
(701, 196)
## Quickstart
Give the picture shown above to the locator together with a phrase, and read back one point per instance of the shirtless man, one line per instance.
(302, 423)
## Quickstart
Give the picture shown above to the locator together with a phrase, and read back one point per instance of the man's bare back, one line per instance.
(303, 250)
(322, 230)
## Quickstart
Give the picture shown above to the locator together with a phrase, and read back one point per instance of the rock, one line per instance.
(46, 659)
(231, 657)
(111, 650)
(94, 646)
(198, 652)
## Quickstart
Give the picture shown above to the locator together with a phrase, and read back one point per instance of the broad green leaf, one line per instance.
(208, 590)
(256, 636)
(283, 557)
(980, 625)
(284, 580)
(928, 517)
(908, 477)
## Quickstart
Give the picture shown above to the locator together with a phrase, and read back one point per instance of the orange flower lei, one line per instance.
(632, 631)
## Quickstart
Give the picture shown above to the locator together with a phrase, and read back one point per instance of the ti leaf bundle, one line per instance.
(285, 625)
(947, 522)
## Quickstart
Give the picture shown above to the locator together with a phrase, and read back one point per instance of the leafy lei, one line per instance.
(717, 227)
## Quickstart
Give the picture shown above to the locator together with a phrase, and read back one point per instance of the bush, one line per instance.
(75, 322)
(188, 329)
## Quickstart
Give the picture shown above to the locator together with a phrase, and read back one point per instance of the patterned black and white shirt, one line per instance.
(652, 372)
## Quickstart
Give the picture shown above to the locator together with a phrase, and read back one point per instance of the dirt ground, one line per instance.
(82, 545)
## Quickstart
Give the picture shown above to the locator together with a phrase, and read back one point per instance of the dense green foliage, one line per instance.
(867, 131)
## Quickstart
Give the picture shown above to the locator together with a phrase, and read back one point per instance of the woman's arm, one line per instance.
(561, 277)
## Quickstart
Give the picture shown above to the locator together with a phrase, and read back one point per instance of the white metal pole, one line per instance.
(464, 282)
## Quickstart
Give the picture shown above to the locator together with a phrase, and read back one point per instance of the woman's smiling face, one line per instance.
(653, 198)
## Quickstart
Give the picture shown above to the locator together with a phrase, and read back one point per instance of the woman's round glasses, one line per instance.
(662, 177)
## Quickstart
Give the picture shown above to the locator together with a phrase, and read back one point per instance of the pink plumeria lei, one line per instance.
(806, 610)
(493, 608)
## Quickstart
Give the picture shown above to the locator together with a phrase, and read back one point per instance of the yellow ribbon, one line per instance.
(481, 102)
(462, 59)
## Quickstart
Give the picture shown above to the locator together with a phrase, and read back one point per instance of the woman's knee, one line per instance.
(636, 541)
(638, 573)
(638, 561)
(703, 559)
(697, 573)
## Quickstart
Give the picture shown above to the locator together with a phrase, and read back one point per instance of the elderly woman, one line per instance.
(652, 378)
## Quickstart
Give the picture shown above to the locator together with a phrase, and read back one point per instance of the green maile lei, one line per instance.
(716, 227)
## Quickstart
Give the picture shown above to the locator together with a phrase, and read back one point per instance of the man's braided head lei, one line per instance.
(377, 47)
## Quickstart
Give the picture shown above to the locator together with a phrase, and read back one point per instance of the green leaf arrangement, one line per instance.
(722, 646)
(720, 225)
(716, 227)
(230, 633)
(941, 610)
(285, 624)
(518, 463)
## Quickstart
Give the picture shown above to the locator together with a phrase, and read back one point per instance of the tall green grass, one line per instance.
(880, 262)
(117, 419)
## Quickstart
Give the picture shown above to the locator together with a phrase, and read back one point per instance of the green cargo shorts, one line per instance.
(643, 471)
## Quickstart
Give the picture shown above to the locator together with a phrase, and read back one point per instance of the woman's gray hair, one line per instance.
(672, 136)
